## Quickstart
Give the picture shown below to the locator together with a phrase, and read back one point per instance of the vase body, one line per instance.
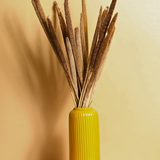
(84, 134)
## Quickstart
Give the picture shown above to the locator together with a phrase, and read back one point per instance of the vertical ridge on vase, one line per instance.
(84, 134)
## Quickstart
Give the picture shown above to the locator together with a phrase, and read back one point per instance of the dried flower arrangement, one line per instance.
(82, 68)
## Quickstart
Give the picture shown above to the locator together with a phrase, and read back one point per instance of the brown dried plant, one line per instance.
(82, 68)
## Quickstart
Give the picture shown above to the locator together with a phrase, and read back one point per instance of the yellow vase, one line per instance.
(84, 134)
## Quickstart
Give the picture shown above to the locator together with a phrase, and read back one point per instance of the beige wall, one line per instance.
(35, 99)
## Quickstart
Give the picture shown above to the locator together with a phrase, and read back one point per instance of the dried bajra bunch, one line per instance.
(82, 68)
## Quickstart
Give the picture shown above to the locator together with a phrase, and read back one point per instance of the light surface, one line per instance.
(34, 122)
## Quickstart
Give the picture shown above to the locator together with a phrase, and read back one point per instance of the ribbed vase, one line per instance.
(84, 134)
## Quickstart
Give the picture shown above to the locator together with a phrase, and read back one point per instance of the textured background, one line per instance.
(35, 99)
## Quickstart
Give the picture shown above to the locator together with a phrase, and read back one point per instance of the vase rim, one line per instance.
(89, 108)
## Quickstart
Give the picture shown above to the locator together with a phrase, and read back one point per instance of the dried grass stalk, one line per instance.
(62, 25)
(71, 63)
(83, 93)
(62, 22)
(57, 47)
(83, 42)
(96, 33)
(41, 16)
(71, 34)
(80, 55)
(112, 24)
(106, 22)
(79, 88)
(99, 59)
(101, 67)
(44, 23)
(104, 15)
(105, 12)
(54, 16)
(103, 32)
(84, 11)
(59, 52)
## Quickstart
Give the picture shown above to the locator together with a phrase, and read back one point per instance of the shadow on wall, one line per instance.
(45, 81)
